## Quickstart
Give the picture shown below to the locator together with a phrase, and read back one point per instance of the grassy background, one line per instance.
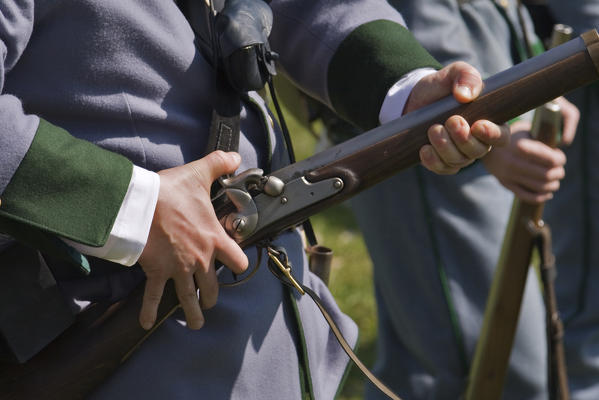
(351, 272)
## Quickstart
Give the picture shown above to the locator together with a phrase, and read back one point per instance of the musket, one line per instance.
(525, 231)
(254, 207)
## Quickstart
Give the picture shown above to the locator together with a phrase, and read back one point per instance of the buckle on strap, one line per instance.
(278, 257)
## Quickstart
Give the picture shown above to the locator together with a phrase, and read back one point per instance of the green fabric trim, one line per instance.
(302, 352)
(516, 119)
(65, 186)
(45, 243)
(455, 324)
(367, 63)
(518, 47)
(537, 48)
(522, 55)
(348, 368)
(519, 51)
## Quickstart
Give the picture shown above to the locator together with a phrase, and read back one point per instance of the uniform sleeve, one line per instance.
(129, 233)
(327, 46)
(50, 182)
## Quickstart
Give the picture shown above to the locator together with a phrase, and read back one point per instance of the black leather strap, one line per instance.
(556, 369)
(347, 348)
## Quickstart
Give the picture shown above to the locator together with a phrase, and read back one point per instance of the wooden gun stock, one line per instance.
(86, 354)
(491, 357)
(525, 228)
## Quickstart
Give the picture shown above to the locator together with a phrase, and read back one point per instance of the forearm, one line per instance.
(51, 184)
(395, 101)
(64, 187)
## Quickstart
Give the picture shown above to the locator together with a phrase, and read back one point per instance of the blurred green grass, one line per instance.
(351, 272)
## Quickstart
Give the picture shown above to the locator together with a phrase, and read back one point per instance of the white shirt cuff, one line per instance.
(397, 96)
(130, 231)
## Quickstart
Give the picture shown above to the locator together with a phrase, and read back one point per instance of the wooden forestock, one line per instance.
(381, 152)
(84, 356)
(491, 357)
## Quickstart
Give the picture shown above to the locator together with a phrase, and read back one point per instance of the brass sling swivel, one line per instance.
(276, 256)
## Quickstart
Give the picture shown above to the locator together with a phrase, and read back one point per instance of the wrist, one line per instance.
(397, 96)
(131, 228)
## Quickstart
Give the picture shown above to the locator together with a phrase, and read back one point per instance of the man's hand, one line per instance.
(529, 168)
(571, 116)
(455, 144)
(185, 239)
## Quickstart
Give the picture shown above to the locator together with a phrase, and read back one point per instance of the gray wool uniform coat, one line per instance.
(573, 215)
(91, 87)
(434, 262)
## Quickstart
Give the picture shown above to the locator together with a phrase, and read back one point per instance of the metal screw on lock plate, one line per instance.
(239, 224)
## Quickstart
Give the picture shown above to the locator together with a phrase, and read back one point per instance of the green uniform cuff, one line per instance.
(367, 63)
(67, 187)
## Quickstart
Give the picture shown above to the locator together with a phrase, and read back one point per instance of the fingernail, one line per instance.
(196, 324)
(426, 153)
(464, 91)
(147, 325)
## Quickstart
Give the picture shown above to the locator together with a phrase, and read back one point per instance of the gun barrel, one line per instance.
(381, 152)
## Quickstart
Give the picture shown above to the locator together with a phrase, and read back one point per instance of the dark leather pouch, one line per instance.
(33, 310)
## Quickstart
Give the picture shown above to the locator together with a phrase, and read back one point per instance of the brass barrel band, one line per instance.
(591, 41)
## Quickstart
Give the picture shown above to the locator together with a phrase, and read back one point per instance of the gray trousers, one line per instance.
(434, 241)
(573, 215)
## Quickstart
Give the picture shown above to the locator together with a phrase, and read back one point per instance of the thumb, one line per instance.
(216, 164)
(459, 78)
(466, 81)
